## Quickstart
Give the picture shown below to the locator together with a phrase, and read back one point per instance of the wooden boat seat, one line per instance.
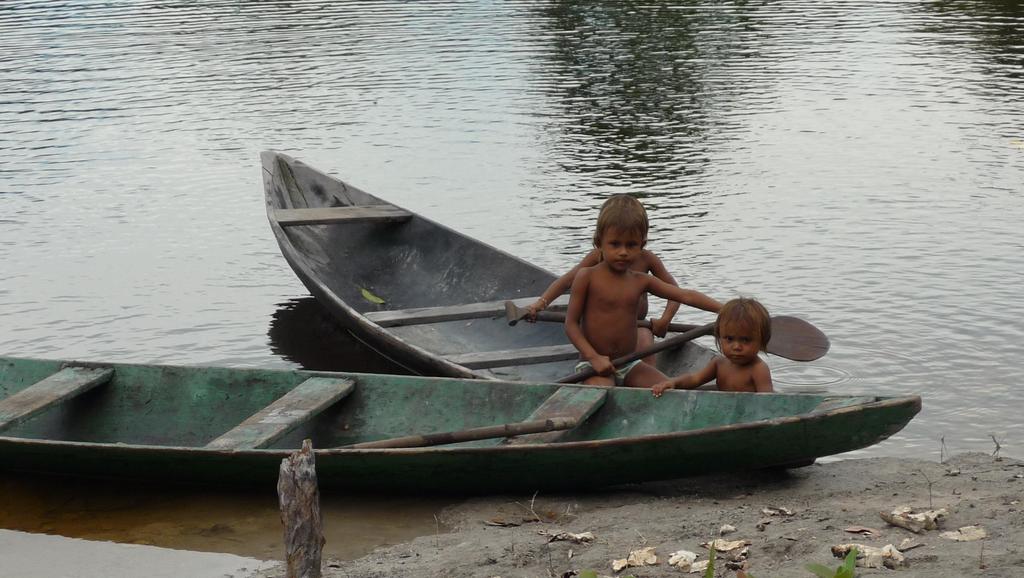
(54, 390)
(351, 214)
(507, 357)
(422, 315)
(575, 402)
(290, 411)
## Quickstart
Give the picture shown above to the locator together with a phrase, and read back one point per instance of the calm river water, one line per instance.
(859, 164)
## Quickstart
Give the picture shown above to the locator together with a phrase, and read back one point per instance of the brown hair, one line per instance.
(624, 213)
(749, 314)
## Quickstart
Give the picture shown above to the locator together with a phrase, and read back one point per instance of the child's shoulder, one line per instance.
(761, 365)
(649, 259)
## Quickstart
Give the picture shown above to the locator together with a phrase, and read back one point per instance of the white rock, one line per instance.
(966, 534)
(682, 558)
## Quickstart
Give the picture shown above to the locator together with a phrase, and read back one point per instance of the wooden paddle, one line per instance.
(479, 433)
(515, 314)
(792, 338)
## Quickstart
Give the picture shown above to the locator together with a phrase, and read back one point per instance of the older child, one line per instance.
(742, 330)
(646, 262)
(606, 297)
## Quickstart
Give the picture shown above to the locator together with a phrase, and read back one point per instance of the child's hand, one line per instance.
(659, 388)
(659, 327)
(533, 308)
(602, 365)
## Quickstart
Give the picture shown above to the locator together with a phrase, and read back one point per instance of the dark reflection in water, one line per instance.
(636, 90)
(304, 332)
(992, 27)
(614, 77)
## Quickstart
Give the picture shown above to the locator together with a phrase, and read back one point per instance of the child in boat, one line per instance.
(606, 297)
(646, 262)
(742, 329)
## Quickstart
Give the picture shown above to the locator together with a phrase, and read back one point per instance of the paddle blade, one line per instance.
(796, 339)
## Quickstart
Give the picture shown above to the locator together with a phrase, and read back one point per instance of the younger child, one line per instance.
(646, 262)
(742, 329)
(606, 297)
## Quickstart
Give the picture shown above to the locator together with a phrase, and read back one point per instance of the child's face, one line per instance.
(620, 248)
(738, 344)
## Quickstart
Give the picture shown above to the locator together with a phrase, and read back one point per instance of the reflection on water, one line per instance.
(236, 522)
(617, 89)
(304, 332)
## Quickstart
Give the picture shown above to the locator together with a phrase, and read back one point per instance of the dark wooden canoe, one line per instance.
(234, 426)
(442, 293)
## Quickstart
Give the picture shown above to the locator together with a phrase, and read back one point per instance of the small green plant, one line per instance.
(843, 571)
(710, 572)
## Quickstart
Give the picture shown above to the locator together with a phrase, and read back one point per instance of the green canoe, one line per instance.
(234, 426)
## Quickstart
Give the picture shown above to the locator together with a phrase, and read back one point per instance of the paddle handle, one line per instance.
(479, 433)
(792, 337)
(515, 314)
(662, 345)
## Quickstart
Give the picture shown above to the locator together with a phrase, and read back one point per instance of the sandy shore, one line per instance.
(789, 519)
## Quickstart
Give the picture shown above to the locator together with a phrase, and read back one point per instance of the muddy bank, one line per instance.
(789, 519)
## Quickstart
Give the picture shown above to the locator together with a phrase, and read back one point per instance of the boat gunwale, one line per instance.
(912, 401)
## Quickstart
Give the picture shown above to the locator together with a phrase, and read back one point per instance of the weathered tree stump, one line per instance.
(300, 513)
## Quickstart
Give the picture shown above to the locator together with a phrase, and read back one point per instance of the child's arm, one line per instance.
(560, 285)
(659, 326)
(690, 380)
(763, 378)
(688, 296)
(577, 299)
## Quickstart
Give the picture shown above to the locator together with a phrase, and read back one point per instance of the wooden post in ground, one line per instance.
(300, 513)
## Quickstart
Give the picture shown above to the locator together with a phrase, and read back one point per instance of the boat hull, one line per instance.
(154, 422)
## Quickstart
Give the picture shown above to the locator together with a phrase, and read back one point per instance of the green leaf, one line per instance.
(371, 297)
(588, 574)
(710, 572)
(846, 570)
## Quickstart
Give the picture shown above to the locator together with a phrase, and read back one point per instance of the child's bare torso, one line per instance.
(732, 377)
(642, 265)
(610, 311)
